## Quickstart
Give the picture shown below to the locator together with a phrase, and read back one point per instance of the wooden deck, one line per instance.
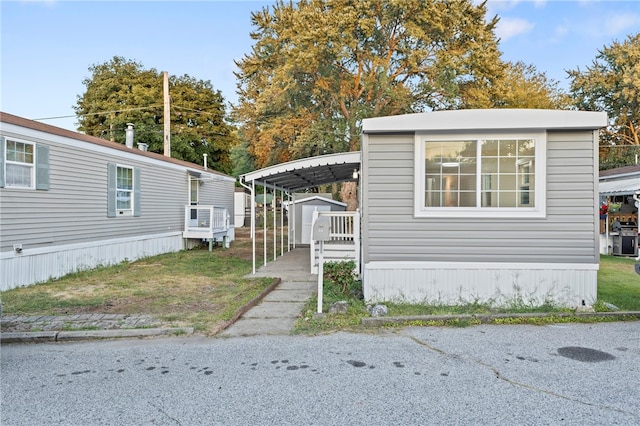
(208, 223)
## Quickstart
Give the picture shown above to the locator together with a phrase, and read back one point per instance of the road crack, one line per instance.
(165, 413)
(502, 377)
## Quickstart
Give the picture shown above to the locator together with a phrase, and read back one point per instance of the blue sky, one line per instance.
(48, 46)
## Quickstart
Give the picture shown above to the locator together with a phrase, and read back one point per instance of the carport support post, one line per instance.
(264, 224)
(275, 230)
(320, 275)
(282, 222)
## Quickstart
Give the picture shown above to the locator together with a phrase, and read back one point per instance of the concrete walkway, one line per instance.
(277, 312)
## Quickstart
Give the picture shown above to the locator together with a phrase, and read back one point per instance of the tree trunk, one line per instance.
(349, 195)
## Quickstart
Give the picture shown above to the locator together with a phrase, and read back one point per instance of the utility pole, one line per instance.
(167, 116)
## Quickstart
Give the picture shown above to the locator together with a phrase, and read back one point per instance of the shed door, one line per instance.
(307, 218)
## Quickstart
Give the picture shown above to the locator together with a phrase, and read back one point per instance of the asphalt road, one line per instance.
(485, 375)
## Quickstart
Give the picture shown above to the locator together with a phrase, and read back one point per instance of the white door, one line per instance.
(307, 218)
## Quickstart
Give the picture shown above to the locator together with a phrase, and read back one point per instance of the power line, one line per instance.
(96, 113)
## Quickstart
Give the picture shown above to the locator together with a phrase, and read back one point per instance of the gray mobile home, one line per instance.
(491, 205)
(69, 202)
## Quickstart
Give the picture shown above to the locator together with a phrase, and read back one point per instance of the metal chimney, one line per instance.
(129, 135)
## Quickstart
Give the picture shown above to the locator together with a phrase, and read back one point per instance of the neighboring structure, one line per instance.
(481, 205)
(70, 202)
(304, 205)
(619, 198)
(242, 203)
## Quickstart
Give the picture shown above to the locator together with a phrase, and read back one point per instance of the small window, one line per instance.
(124, 190)
(488, 175)
(19, 165)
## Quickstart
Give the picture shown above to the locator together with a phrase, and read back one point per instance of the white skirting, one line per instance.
(501, 284)
(41, 264)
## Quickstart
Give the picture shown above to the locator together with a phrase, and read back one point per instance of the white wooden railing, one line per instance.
(344, 239)
(206, 222)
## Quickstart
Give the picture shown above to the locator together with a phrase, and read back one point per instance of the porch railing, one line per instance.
(344, 239)
(206, 222)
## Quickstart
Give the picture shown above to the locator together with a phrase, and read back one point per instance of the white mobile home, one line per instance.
(69, 202)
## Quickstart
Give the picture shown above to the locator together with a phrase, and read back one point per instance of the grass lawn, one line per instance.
(203, 289)
(618, 283)
(194, 288)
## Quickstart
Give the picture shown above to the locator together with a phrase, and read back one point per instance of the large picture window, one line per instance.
(491, 175)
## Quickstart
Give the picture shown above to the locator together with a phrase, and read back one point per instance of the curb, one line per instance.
(60, 336)
(488, 318)
(67, 336)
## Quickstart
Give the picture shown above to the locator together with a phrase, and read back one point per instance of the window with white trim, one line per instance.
(20, 164)
(124, 190)
(498, 175)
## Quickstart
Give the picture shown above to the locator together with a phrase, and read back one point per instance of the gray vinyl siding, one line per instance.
(565, 235)
(74, 209)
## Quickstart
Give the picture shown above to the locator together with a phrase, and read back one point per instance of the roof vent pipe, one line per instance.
(129, 135)
(142, 146)
(205, 161)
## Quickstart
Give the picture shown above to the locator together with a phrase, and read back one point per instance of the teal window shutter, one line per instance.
(111, 190)
(136, 192)
(42, 167)
(2, 147)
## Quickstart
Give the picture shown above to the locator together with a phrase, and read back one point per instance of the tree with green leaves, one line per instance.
(319, 67)
(612, 84)
(121, 91)
(522, 86)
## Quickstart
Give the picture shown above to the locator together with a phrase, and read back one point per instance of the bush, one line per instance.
(342, 279)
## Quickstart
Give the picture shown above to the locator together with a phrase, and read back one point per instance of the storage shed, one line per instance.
(301, 219)
(497, 206)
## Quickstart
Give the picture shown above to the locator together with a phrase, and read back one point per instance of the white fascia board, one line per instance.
(487, 119)
(322, 160)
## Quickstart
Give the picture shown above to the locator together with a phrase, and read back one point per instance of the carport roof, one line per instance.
(307, 172)
(626, 186)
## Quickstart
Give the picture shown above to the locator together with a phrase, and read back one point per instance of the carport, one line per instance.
(292, 176)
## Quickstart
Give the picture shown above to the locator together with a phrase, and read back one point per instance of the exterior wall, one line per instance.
(66, 228)
(435, 259)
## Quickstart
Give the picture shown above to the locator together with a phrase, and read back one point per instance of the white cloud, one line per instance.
(511, 27)
(617, 24)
